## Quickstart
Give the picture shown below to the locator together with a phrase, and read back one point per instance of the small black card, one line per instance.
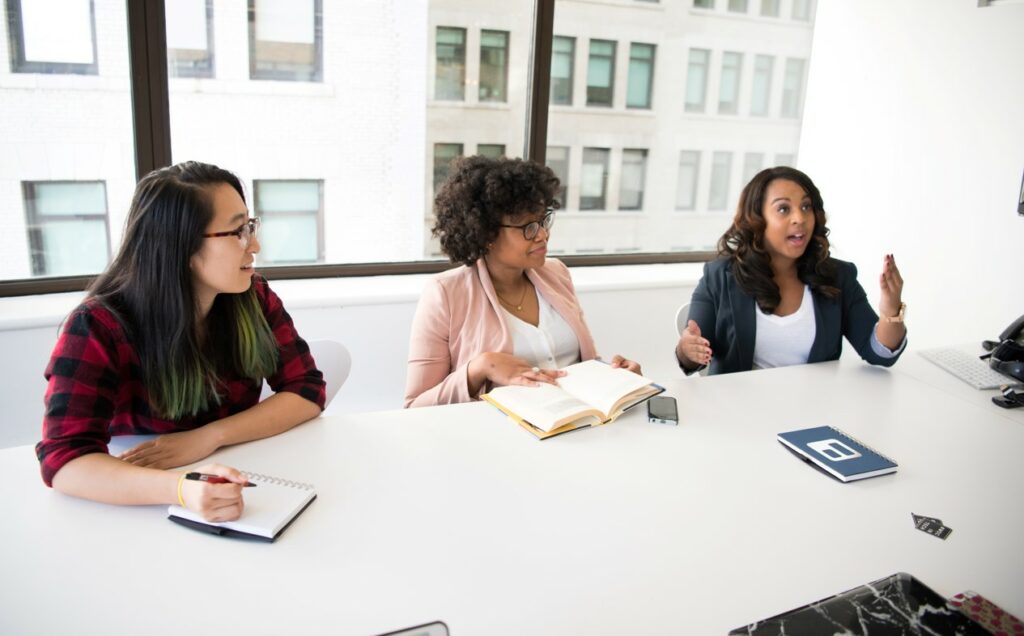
(931, 525)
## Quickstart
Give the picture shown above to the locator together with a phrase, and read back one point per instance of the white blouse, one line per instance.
(552, 344)
(781, 341)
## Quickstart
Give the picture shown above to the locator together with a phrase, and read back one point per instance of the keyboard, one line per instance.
(968, 368)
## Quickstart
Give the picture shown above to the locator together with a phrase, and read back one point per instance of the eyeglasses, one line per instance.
(531, 229)
(244, 233)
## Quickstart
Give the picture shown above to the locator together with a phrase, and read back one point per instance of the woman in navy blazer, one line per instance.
(778, 245)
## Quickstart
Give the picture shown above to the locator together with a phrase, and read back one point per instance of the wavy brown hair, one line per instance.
(479, 192)
(743, 242)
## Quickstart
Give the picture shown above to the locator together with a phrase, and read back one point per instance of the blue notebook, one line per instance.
(837, 453)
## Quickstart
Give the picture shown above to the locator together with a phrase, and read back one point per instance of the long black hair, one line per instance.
(743, 242)
(149, 288)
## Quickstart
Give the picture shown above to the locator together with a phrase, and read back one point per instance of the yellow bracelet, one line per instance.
(181, 482)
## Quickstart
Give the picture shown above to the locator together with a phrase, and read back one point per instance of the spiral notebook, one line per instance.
(837, 454)
(269, 509)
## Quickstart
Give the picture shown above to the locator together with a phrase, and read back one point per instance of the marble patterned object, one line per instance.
(898, 605)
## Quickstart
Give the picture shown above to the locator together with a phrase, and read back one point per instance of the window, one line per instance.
(491, 150)
(444, 154)
(721, 166)
(697, 80)
(286, 40)
(785, 160)
(802, 10)
(563, 58)
(558, 161)
(291, 217)
(594, 178)
(493, 66)
(601, 73)
(189, 38)
(770, 8)
(67, 227)
(738, 6)
(753, 162)
(631, 190)
(686, 184)
(378, 136)
(641, 75)
(52, 39)
(729, 86)
(761, 91)
(792, 87)
(450, 75)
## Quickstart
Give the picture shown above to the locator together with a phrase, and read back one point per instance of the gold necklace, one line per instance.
(518, 306)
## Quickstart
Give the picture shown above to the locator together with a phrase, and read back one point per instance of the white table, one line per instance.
(456, 514)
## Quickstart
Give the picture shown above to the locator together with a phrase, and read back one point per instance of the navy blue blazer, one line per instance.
(725, 314)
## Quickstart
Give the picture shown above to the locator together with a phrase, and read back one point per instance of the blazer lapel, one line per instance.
(743, 308)
(826, 321)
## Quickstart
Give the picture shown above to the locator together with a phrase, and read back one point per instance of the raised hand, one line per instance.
(693, 348)
(891, 284)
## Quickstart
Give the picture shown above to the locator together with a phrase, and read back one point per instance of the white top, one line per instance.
(781, 341)
(552, 344)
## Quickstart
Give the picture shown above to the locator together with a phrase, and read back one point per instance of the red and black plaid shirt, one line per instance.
(96, 388)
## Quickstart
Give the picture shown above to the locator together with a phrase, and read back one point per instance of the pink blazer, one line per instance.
(458, 318)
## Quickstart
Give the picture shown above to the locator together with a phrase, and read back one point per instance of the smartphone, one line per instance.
(662, 410)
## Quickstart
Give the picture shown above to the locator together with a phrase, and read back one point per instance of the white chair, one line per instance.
(682, 314)
(333, 360)
(682, 317)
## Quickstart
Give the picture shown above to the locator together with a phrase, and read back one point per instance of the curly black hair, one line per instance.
(743, 242)
(478, 192)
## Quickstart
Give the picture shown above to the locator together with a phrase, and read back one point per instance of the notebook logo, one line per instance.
(833, 450)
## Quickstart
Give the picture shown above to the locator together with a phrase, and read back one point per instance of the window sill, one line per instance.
(49, 310)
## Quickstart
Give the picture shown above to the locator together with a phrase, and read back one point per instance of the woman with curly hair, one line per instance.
(509, 315)
(775, 297)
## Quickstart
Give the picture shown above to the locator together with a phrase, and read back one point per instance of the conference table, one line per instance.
(456, 514)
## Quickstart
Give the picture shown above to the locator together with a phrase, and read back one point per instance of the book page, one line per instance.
(544, 406)
(599, 385)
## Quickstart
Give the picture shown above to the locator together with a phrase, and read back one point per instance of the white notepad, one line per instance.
(269, 508)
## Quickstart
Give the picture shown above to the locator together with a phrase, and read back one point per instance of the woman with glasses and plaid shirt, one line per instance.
(509, 315)
(175, 338)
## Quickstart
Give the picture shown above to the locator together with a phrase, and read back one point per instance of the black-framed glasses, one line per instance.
(531, 229)
(244, 232)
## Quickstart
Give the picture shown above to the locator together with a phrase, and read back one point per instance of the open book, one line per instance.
(591, 393)
(269, 509)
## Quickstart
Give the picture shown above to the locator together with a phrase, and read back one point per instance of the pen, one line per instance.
(215, 479)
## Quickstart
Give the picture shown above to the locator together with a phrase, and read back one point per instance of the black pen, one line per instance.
(215, 479)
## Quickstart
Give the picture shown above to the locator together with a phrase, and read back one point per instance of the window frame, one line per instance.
(506, 50)
(611, 72)
(147, 43)
(207, 69)
(572, 69)
(34, 218)
(319, 213)
(16, 35)
(256, 74)
(650, 62)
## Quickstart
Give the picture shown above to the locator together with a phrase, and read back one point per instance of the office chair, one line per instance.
(334, 361)
(682, 317)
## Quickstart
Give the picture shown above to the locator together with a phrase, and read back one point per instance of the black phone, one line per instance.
(1014, 332)
(662, 410)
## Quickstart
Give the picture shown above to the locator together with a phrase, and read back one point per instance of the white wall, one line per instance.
(630, 311)
(914, 132)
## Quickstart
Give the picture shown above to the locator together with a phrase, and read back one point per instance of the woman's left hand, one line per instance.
(892, 287)
(618, 362)
(172, 450)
